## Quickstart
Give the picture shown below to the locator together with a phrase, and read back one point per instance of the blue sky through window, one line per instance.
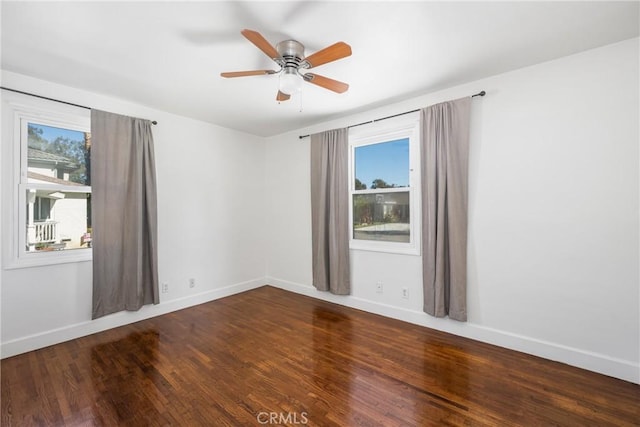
(50, 133)
(388, 161)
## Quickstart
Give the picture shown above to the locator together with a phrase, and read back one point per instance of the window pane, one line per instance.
(381, 216)
(56, 155)
(57, 220)
(382, 165)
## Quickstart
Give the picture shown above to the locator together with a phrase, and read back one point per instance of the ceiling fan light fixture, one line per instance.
(290, 81)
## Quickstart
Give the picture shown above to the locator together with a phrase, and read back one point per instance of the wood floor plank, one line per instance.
(270, 353)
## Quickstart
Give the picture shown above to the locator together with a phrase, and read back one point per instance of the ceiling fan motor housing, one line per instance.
(292, 52)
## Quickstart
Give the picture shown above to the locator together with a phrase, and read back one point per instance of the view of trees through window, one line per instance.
(382, 214)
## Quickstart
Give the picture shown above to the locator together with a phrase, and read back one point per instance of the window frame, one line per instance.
(407, 126)
(18, 111)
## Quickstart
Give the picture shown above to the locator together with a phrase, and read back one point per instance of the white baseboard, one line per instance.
(56, 336)
(600, 363)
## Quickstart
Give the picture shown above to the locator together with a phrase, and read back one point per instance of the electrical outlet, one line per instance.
(192, 283)
(405, 293)
(165, 287)
(379, 287)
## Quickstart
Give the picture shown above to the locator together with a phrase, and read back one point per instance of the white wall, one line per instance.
(210, 195)
(553, 214)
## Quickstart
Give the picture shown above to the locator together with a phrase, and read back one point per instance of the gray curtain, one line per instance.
(330, 211)
(444, 161)
(124, 218)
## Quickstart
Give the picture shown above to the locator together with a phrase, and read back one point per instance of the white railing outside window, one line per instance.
(42, 232)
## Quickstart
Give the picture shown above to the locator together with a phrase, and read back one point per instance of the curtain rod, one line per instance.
(482, 93)
(55, 100)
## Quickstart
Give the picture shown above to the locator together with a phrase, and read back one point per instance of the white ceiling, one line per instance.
(169, 55)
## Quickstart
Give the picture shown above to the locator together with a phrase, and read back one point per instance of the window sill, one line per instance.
(52, 258)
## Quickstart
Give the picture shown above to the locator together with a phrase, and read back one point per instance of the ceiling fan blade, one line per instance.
(326, 82)
(328, 54)
(282, 96)
(261, 43)
(247, 73)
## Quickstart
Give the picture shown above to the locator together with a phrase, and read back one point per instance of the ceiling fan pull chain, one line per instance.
(300, 96)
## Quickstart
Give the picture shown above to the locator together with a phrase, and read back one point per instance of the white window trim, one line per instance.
(17, 110)
(407, 126)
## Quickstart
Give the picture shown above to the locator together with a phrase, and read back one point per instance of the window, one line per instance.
(57, 199)
(384, 181)
(51, 184)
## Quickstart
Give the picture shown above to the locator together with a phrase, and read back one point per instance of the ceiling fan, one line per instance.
(289, 55)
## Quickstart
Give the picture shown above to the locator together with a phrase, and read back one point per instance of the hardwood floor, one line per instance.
(268, 355)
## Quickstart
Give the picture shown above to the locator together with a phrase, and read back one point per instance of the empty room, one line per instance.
(226, 213)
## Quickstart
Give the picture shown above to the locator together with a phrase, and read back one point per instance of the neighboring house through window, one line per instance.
(57, 214)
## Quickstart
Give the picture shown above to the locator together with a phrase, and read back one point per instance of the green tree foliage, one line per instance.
(35, 139)
(360, 185)
(75, 151)
(362, 210)
(381, 183)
